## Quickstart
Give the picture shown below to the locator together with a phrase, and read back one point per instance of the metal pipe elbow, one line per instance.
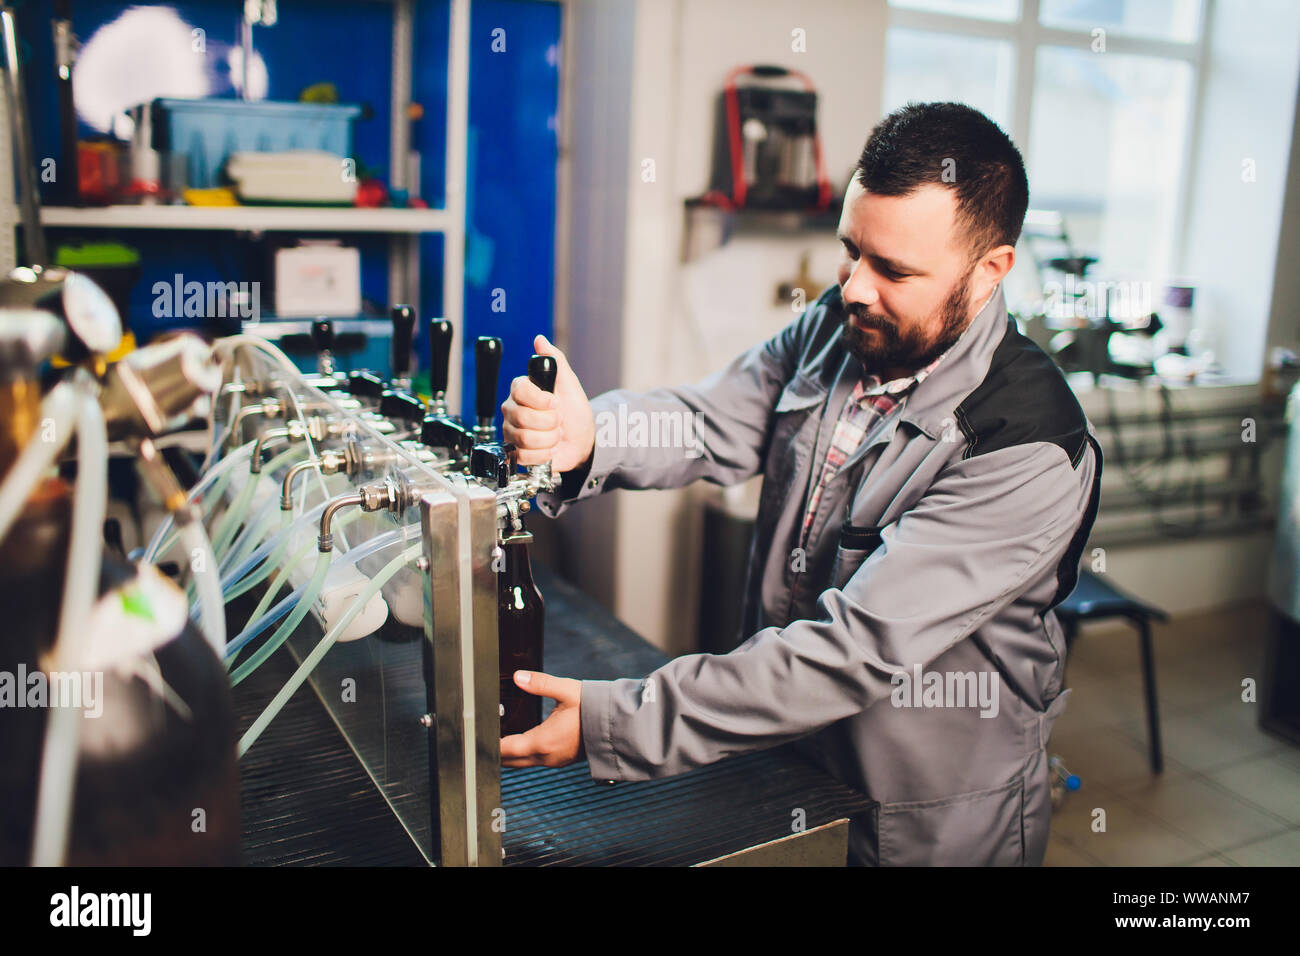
(326, 540)
(267, 435)
(286, 488)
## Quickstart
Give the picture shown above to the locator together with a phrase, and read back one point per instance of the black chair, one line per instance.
(1095, 599)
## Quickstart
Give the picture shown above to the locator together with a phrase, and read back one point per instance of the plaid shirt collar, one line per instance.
(870, 386)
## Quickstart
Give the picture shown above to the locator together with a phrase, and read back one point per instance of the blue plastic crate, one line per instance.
(210, 130)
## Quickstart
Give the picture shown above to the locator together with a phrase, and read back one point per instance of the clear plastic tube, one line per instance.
(234, 517)
(212, 610)
(224, 349)
(280, 460)
(272, 644)
(257, 625)
(222, 470)
(272, 543)
(227, 346)
(218, 492)
(216, 437)
(322, 648)
(256, 617)
(253, 578)
(59, 757)
(232, 342)
(312, 451)
(255, 530)
(59, 407)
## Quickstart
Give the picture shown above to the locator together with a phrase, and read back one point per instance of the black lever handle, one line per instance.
(439, 431)
(322, 335)
(541, 372)
(487, 369)
(401, 405)
(403, 336)
(363, 384)
(491, 463)
(440, 333)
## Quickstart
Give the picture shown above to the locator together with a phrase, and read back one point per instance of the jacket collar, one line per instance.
(930, 405)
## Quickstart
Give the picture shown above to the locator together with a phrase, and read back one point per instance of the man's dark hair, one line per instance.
(959, 148)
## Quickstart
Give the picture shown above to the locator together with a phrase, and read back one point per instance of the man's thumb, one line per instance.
(532, 681)
(542, 346)
(542, 685)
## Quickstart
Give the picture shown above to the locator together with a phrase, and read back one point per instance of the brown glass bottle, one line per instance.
(521, 616)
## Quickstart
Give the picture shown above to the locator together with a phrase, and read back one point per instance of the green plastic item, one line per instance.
(96, 254)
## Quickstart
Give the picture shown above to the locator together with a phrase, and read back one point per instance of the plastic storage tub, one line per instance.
(208, 131)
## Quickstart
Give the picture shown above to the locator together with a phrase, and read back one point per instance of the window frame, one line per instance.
(1026, 36)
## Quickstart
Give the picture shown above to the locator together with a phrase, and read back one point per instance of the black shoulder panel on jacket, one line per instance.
(1024, 398)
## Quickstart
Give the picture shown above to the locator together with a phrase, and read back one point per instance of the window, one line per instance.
(985, 9)
(1105, 135)
(1098, 94)
(926, 67)
(1177, 20)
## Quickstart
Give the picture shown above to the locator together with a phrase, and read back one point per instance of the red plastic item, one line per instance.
(372, 194)
(99, 172)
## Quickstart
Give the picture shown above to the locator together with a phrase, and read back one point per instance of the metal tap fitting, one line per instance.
(329, 463)
(326, 540)
(269, 408)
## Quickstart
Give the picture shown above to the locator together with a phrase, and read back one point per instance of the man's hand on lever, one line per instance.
(557, 740)
(557, 427)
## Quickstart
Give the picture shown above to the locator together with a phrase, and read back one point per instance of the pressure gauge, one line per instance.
(91, 314)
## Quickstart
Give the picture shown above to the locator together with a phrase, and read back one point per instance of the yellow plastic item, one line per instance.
(218, 196)
(124, 348)
(319, 93)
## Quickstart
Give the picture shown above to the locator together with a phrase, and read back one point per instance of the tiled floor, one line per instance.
(1230, 792)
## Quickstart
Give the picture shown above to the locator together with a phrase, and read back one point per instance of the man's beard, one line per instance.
(908, 352)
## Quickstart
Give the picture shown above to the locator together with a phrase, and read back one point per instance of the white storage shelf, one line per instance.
(249, 218)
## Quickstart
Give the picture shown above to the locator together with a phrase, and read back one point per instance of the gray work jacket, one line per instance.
(919, 660)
